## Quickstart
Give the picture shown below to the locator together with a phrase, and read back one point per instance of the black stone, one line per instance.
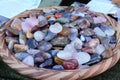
(95, 58)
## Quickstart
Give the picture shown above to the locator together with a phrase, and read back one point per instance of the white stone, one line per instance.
(82, 57)
(29, 61)
(82, 38)
(65, 55)
(70, 48)
(100, 49)
(99, 32)
(77, 43)
(56, 28)
(110, 32)
(38, 35)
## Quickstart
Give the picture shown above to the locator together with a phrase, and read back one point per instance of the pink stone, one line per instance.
(70, 64)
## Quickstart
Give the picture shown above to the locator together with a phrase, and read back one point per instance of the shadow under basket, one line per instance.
(48, 74)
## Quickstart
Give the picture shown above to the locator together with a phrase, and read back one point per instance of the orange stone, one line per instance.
(58, 60)
(58, 15)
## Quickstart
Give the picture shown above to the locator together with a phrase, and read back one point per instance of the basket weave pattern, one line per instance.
(47, 74)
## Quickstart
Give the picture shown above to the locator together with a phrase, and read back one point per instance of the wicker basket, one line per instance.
(47, 74)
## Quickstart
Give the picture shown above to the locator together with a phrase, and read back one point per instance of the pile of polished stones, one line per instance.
(61, 39)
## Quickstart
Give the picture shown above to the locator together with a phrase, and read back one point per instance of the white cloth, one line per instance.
(10, 8)
(103, 6)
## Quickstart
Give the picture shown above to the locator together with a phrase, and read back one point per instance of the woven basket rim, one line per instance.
(11, 64)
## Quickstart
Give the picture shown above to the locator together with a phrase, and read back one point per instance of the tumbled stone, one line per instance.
(49, 36)
(16, 24)
(41, 18)
(8, 39)
(45, 55)
(59, 41)
(89, 50)
(87, 38)
(74, 34)
(108, 30)
(56, 28)
(82, 38)
(54, 52)
(95, 58)
(65, 55)
(32, 43)
(74, 18)
(82, 57)
(58, 15)
(99, 32)
(48, 62)
(22, 38)
(29, 34)
(62, 20)
(100, 49)
(107, 54)
(65, 31)
(58, 60)
(83, 23)
(42, 23)
(33, 51)
(70, 64)
(32, 20)
(38, 35)
(93, 42)
(11, 44)
(58, 67)
(20, 48)
(70, 48)
(21, 55)
(77, 43)
(44, 46)
(39, 59)
(112, 39)
(87, 32)
(29, 61)
(89, 18)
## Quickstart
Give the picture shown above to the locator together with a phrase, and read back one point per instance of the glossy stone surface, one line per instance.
(70, 64)
(65, 32)
(32, 43)
(29, 61)
(56, 28)
(65, 55)
(87, 32)
(21, 55)
(59, 41)
(77, 43)
(82, 57)
(44, 46)
(22, 38)
(38, 35)
(20, 48)
(95, 58)
(48, 62)
(58, 67)
(100, 49)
